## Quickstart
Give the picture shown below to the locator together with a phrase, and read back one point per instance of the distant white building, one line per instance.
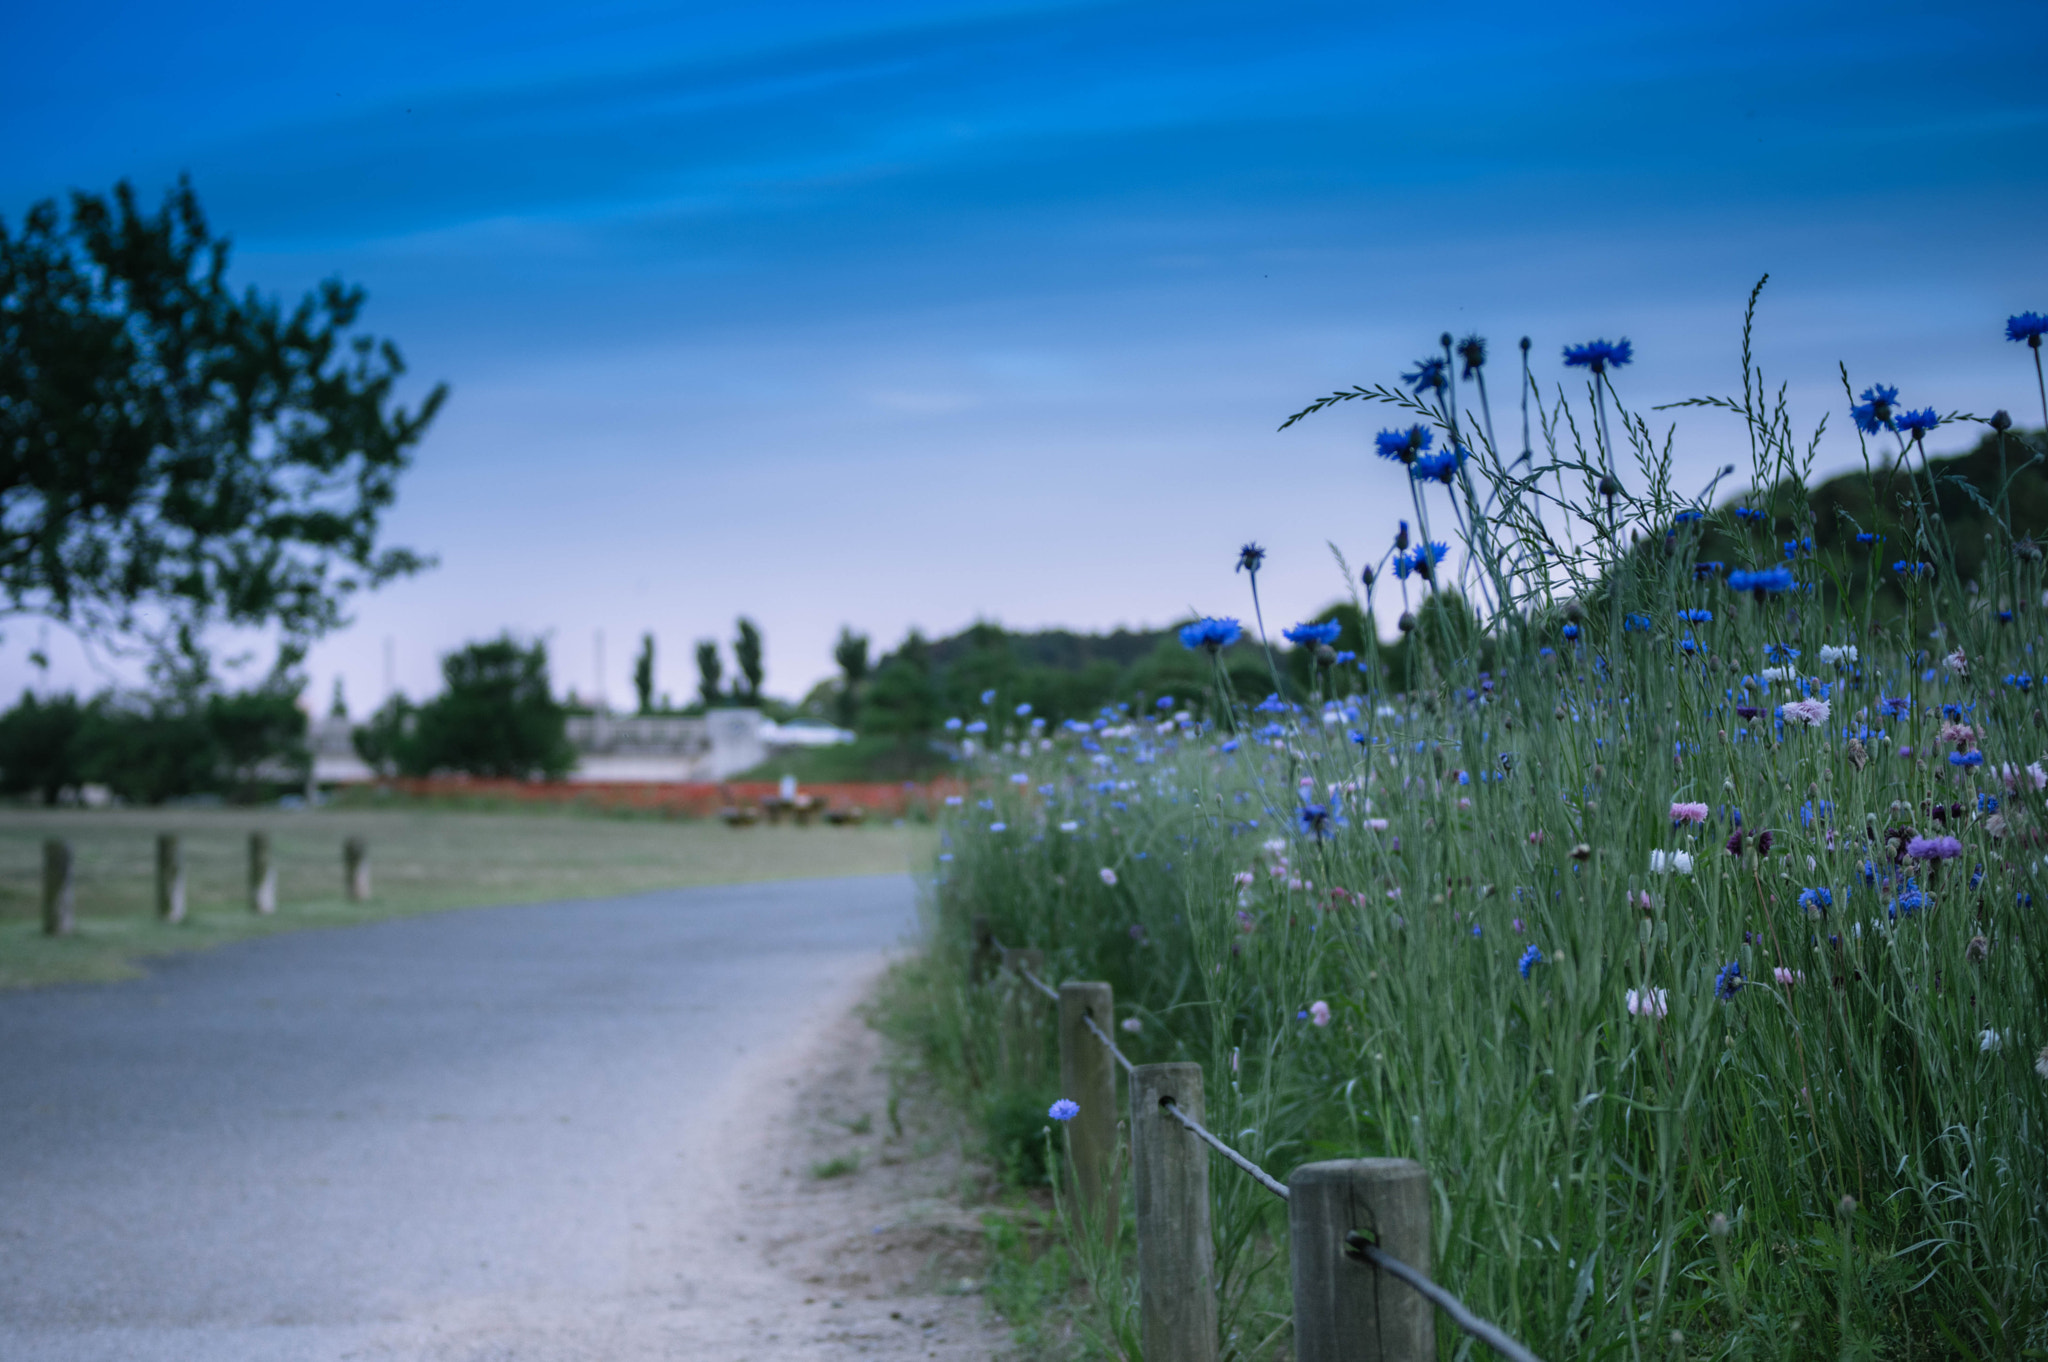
(623, 747)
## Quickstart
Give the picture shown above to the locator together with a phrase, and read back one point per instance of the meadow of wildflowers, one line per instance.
(1680, 914)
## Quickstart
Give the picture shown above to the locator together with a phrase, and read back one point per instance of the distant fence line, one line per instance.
(60, 891)
(686, 799)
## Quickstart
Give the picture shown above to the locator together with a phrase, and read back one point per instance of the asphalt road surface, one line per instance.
(469, 1134)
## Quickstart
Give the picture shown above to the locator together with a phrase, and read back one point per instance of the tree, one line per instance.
(643, 674)
(39, 749)
(380, 741)
(494, 717)
(851, 653)
(902, 702)
(746, 651)
(710, 671)
(173, 454)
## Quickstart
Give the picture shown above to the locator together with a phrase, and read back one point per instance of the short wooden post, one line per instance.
(262, 875)
(1022, 1031)
(1345, 1309)
(170, 878)
(1088, 1078)
(1170, 1182)
(57, 905)
(355, 869)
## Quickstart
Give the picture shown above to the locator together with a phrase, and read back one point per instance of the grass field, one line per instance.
(420, 862)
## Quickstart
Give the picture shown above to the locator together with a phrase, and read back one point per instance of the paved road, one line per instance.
(341, 1143)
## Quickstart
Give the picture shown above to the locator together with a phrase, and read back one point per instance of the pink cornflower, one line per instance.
(1688, 813)
(1788, 977)
(1648, 1002)
(1812, 713)
(1242, 879)
(1319, 1012)
(1962, 735)
(1536, 838)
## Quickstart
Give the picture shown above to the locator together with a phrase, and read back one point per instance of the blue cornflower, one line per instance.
(1688, 644)
(1024, 711)
(1441, 466)
(1313, 820)
(1429, 374)
(1966, 758)
(1795, 547)
(988, 697)
(1163, 702)
(1687, 517)
(1868, 538)
(1403, 565)
(1874, 412)
(1696, 616)
(1345, 655)
(2020, 681)
(1987, 803)
(1909, 901)
(1402, 446)
(1916, 424)
(1763, 581)
(1896, 706)
(1728, 980)
(1817, 901)
(1309, 635)
(1751, 513)
(1703, 570)
(1599, 355)
(1472, 350)
(1906, 569)
(1530, 959)
(1635, 624)
(1213, 634)
(1066, 1109)
(1780, 652)
(1571, 631)
(2028, 327)
(1249, 557)
(978, 726)
(1272, 704)
(1357, 737)
(1475, 929)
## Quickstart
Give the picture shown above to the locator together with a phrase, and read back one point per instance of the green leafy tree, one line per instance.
(851, 653)
(259, 738)
(746, 651)
(381, 740)
(710, 674)
(39, 749)
(643, 674)
(494, 717)
(149, 750)
(175, 454)
(902, 701)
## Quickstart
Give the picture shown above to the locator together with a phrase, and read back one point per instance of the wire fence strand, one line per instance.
(1487, 1333)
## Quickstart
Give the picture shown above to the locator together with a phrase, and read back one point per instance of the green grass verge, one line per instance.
(421, 861)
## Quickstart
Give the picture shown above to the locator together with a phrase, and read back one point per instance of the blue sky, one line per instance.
(901, 314)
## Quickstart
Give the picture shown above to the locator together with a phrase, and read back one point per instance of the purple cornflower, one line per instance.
(1934, 848)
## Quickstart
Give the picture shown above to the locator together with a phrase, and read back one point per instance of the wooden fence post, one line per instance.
(355, 869)
(1170, 1179)
(57, 905)
(262, 875)
(170, 878)
(1345, 1309)
(1088, 1078)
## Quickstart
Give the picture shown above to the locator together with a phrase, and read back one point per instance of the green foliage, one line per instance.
(851, 653)
(178, 454)
(902, 701)
(40, 753)
(148, 749)
(643, 674)
(746, 652)
(495, 716)
(710, 675)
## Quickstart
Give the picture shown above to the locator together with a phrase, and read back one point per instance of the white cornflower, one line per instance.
(1830, 653)
(1671, 862)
